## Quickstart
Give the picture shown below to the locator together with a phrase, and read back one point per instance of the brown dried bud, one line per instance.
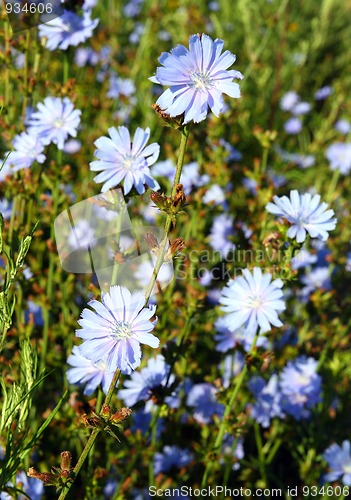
(46, 477)
(177, 246)
(151, 241)
(272, 239)
(66, 459)
(159, 200)
(174, 122)
(179, 198)
(121, 414)
(106, 411)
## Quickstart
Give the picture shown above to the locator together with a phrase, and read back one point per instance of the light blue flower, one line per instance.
(253, 300)
(293, 126)
(84, 371)
(54, 121)
(323, 93)
(268, 400)
(120, 86)
(142, 383)
(68, 29)
(289, 100)
(120, 158)
(197, 78)
(300, 386)
(305, 213)
(171, 456)
(339, 156)
(215, 195)
(6, 208)
(343, 126)
(28, 148)
(202, 397)
(116, 328)
(221, 234)
(301, 108)
(228, 339)
(339, 462)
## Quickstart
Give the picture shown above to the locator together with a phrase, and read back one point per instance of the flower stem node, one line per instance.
(172, 206)
(58, 476)
(174, 122)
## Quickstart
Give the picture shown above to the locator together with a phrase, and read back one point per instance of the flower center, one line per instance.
(122, 330)
(129, 162)
(58, 123)
(255, 302)
(200, 81)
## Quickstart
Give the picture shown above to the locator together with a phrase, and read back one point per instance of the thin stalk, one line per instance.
(160, 257)
(227, 410)
(91, 440)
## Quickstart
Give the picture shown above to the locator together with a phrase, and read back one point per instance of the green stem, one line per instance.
(227, 410)
(162, 250)
(91, 440)
(261, 457)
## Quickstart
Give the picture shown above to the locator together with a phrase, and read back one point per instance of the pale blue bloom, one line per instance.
(197, 78)
(253, 300)
(67, 30)
(343, 126)
(238, 452)
(120, 86)
(339, 462)
(323, 93)
(72, 146)
(142, 383)
(293, 126)
(202, 397)
(303, 259)
(54, 121)
(84, 371)
(33, 487)
(190, 178)
(28, 148)
(171, 456)
(221, 234)
(305, 213)
(300, 386)
(120, 158)
(301, 108)
(289, 100)
(232, 365)
(229, 339)
(268, 400)
(116, 328)
(339, 156)
(86, 55)
(6, 208)
(215, 195)
(316, 279)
